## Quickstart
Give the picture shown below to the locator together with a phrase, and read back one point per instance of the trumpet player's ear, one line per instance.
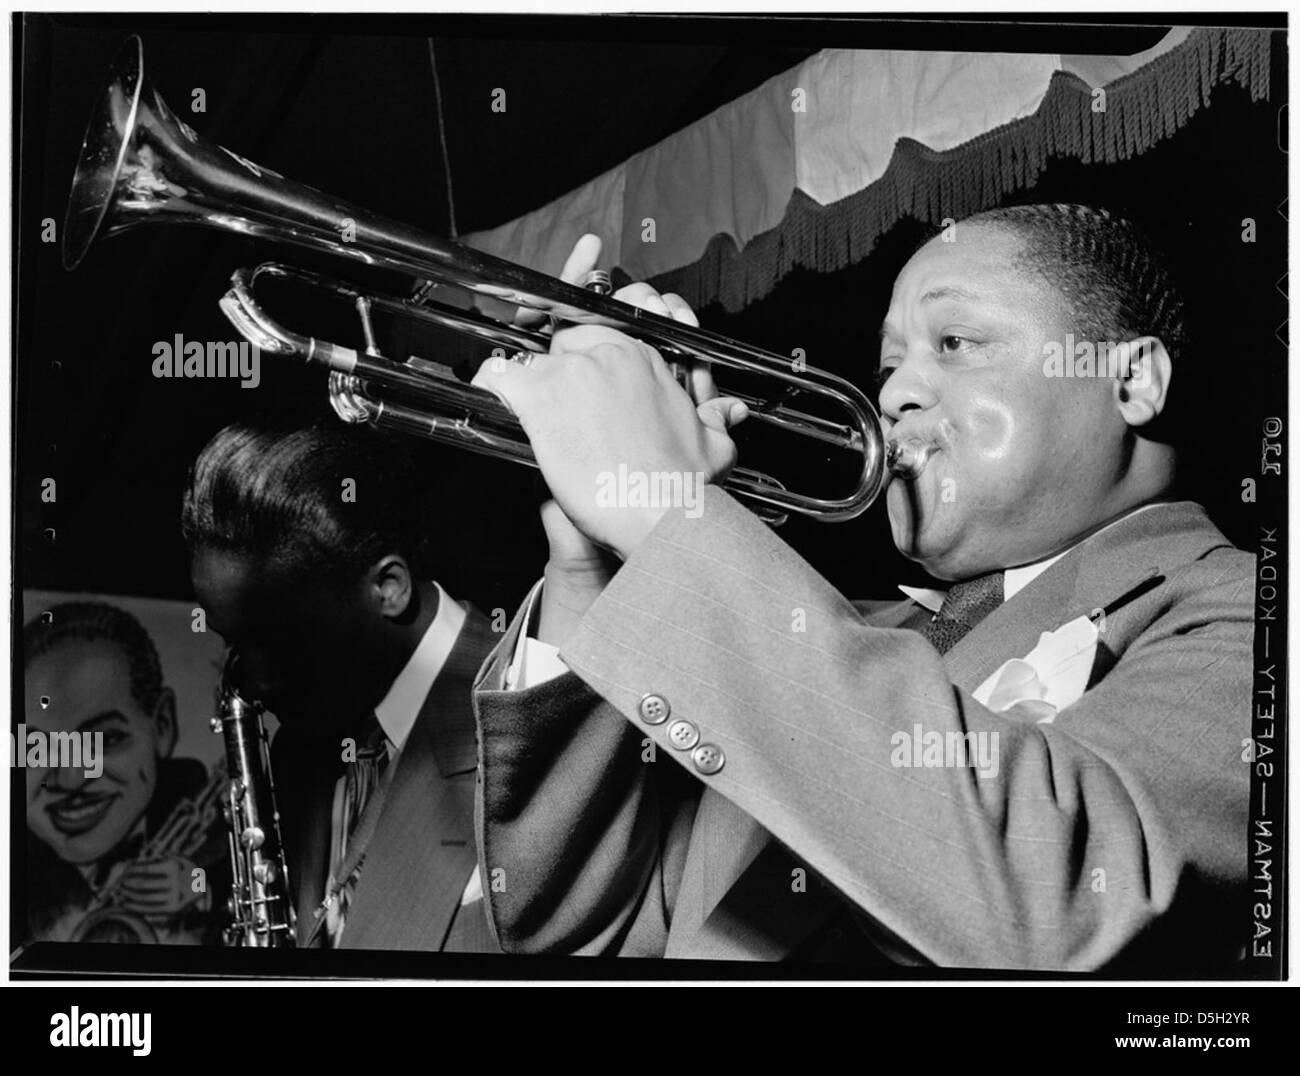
(164, 723)
(390, 582)
(1142, 377)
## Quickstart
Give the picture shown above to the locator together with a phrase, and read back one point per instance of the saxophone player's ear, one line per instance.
(391, 583)
(164, 722)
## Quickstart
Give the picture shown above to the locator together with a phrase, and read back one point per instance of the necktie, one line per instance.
(360, 781)
(964, 606)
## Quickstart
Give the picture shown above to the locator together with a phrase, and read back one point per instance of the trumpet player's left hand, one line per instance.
(584, 257)
(609, 424)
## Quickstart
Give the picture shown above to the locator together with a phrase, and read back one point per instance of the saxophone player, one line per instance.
(308, 557)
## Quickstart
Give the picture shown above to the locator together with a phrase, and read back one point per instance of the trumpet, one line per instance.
(140, 164)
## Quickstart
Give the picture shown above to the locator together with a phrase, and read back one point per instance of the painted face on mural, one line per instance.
(87, 685)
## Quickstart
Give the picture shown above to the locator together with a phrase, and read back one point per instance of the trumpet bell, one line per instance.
(109, 138)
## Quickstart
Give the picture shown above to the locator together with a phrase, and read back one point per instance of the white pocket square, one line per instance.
(473, 888)
(1047, 679)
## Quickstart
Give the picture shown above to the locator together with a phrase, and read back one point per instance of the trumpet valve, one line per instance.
(598, 281)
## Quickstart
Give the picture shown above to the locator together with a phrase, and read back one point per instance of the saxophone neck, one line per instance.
(232, 701)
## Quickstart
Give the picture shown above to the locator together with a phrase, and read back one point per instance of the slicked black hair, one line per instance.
(277, 494)
(1115, 281)
(94, 621)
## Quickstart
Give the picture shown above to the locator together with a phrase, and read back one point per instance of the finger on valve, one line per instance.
(582, 260)
(644, 297)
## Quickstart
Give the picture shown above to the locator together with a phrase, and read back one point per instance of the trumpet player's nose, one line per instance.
(902, 390)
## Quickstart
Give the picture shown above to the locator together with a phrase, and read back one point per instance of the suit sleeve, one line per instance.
(576, 820)
(1092, 827)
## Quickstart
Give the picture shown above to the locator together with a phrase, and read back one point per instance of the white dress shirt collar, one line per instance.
(401, 706)
(1016, 579)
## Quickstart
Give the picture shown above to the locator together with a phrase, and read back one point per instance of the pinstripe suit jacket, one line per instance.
(1113, 837)
(422, 853)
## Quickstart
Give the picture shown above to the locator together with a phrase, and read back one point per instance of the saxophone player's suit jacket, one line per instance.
(1113, 834)
(422, 853)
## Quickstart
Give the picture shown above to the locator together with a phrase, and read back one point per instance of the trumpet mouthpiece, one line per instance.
(907, 459)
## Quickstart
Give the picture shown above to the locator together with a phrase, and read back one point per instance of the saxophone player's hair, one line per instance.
(277, 494)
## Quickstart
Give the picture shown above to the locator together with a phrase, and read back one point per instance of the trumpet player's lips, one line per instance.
(73, 817)
(929, 447)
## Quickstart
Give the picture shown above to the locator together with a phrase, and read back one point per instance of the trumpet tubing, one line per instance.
(140, 164)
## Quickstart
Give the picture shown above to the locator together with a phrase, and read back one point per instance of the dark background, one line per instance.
(348, 105)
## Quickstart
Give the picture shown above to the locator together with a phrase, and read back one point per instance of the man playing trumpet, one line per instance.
(1040, 768)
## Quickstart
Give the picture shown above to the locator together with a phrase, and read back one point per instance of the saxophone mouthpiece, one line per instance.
(907, 459)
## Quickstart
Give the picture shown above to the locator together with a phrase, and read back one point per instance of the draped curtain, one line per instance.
(812, 167)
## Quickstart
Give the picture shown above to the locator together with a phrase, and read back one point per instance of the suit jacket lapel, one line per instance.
(422, 853)
(419, 860)
(889, 614)
(1013, 628)
(1102, 573)
(304, 772)
(454, 735)
(309, 853)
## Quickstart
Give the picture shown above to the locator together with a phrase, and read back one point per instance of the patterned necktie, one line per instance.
(359, 784)
(964, 606)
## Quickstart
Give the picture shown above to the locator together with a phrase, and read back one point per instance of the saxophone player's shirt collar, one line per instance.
(399, 708)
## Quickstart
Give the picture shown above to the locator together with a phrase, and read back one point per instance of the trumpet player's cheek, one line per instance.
(974, 464)
(990, 436)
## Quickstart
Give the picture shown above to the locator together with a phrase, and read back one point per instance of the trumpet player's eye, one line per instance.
(882, 374)
(951, 342)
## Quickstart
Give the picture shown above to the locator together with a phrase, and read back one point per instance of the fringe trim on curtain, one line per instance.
(1142, 108)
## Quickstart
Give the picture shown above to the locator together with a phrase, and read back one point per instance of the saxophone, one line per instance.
(261, 905)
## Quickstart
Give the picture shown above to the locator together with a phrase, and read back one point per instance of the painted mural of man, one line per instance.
(134, 849)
